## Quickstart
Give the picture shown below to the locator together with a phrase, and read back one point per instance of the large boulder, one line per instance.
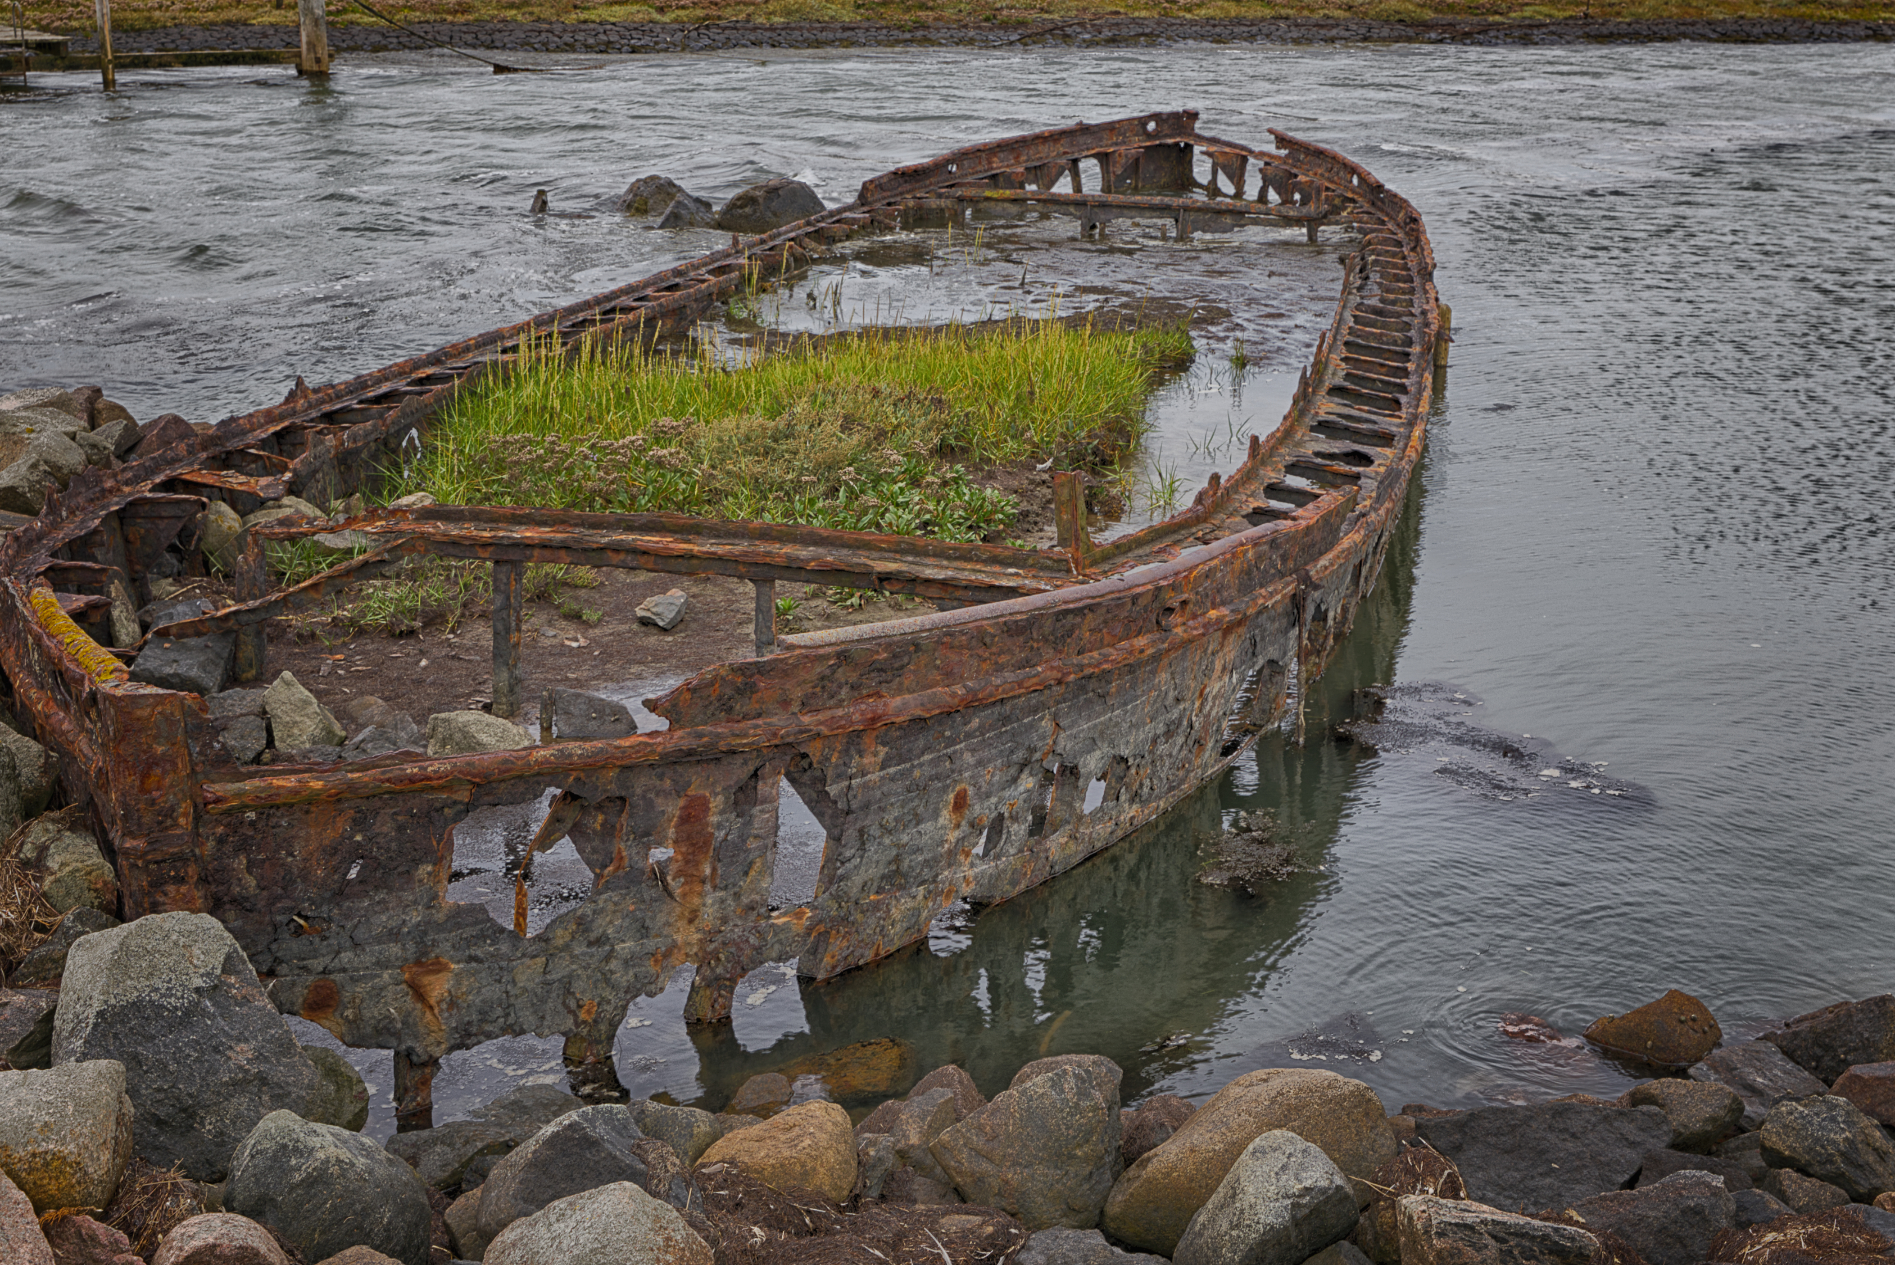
(1675, 1031)
(526, 1110)
(219, 1238)
(324, 1189)
(1046, 1151)
(967, 1096)
(809, 1146)
(58, 399)
(1547, 1155)
(1831, 1139)
(687, 1130)
(34, 459)
(1762, 1075)
(1282, 1202)
(579, 1151)
(1658, 1165)
(1701, 1113)
(923, 1118)
(173, 998)
(1154, 1200)
(441, 1154)
(463, 733)
(21, 1242)
(65, 860)
(769, 205)
(66, 1133)
(1670, 1222)
(1829, 1041)
(1871, 1087)
(297, 720)
(1436, 1231)
(37, 768)
(82, 1240)
(1803, 1194)
(649, 195)
(615, 1224)
(340, 1097)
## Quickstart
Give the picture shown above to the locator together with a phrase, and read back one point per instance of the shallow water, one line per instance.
(1651, 531)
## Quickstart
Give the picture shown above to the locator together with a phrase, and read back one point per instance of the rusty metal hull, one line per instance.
(962, 756)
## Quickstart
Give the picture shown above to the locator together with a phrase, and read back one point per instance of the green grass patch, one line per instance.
(868, 431)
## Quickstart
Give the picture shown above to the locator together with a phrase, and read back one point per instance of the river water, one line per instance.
(1651, 533)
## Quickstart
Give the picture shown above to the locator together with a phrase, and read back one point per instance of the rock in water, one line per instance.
(173, 998)
(1437, 1231)
(649, 195)
(21, 1242)
(616, 1224)
(1282, 1202)
(580, 715)
(340, 1097)
(579, 1151)
(219, 1238)
(762, 1096)
(66, 1133)
(1871, 1087)
(1548, 1155)
(1046, 1151)
(1830, 1139)
(809, 1146)
(1671, 1222)
(1762, 1075)
(463, 733)
(663, 611)
(324, 1189)
(1700, 1113)
(688, 211)
(770, 205)
(1151, 1204)
(1675, 1031)
(1830, 1041)
(297, 720)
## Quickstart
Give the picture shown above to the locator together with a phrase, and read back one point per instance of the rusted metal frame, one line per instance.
(1171, 206)
(268, 488)
(1056, 144)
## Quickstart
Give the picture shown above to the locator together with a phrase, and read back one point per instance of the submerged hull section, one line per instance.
(1072, 696)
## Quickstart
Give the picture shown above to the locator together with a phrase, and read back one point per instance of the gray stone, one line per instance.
(523, 1112)
(612, 1224)
(1756, 1207)
(1760, 1073)
(38, 771)
(967, 1096)
(33, 1048)
(580, 715)
(1059, 1245)
(1658, 1165)
(1436, 1231)
(689, 1130)
(1282, 1202)
(245, 738)
(220, 533)
(33, 460)
(288, 507)
(923, 1118)
(44, 965)
(875, 1159)
(463, 1230)
(173, 998)
(688, 210)
(441, 1154)
(196, 665)
(1829, 1041)
(119, 435)
(1746, 1151)
(1833, 1140)
(56, 398)
(297, 720)
(21, 1010)
(97, 447)
(122, 614)
(219, 1238)
(1547, 1155)
(340, 1097)
(585, 1149)
(769, 205)
(324, 1189)
(10, 812)
(1343, 1253)
(64, 859)
(463, 733)
(1670, 1222)
(66, 1133)
(21, 1242)
(402, 735)
(168, 610)
(1151, 1124)
(664, 611)
(649, 195)
(1803, 1193)
(1701, 1113)
(1880, 1220)
(1047, 1153)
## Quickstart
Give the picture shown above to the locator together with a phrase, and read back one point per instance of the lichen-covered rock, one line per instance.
(66, 1133)
(65, 860)
(1829, 1041)
(769, 205)
(219, 1238)
(1282, 1202)
(297, 720)
(1701, 1113)
(809, 1146)
(1437, 1231)
(56, 398)
(340, 1097)
(1830, 1139)
(1547, 1155)
(1045, 1152)
(967, 1096)
(1762, 1075)
(1151, 1204)
(1675, 1031)
(1670, 1222)
(173, 998)
(324, 1189)
(463, 733)
(21, 1242)
(579, 1151)
(615, 1224)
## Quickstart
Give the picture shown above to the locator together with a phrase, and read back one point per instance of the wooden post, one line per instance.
(103, 8)
(1069, 517)
(766, 617)
(1444, 336)
(509, 606)
(252, 581)
(315, 58)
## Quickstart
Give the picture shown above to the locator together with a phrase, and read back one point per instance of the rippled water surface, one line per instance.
(1652, 530)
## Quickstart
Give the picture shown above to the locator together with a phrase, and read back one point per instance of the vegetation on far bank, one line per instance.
(76, 15)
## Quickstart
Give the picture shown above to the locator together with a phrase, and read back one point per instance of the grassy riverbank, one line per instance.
(871, 431)
(1024, 16)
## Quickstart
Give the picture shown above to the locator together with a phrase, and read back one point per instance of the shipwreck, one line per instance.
(1060, 699)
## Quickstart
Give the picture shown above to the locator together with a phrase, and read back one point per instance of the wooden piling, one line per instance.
(1444, 337)
(315, 24)
(766, 617)
(107, 73)
(509, 610)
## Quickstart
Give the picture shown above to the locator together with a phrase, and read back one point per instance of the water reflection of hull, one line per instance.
(969, 755)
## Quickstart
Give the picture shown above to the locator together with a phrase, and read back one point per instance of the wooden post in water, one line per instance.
(315, 56)
(107, 74)
(1444, 337)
